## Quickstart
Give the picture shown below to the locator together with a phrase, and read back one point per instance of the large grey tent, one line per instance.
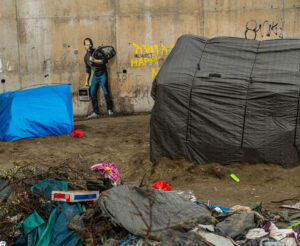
(228, 100)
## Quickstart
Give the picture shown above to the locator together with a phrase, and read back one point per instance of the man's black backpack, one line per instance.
(107, 51)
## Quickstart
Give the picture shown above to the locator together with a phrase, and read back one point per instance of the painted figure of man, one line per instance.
(100, 78)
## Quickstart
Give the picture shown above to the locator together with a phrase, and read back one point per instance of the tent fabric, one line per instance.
(228, 100)
(37, 112)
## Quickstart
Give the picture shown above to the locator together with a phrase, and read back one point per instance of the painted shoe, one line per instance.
(110, 112)
(93, 115)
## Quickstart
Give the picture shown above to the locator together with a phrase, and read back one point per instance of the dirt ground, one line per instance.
(125, 141)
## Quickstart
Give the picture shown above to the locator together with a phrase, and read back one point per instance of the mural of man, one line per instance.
(100, 78)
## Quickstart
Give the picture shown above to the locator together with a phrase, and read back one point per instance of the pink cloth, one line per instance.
(109, 170)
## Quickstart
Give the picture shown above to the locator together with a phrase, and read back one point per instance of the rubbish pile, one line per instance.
(64, 205)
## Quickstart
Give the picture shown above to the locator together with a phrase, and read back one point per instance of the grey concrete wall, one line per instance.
(41, 41)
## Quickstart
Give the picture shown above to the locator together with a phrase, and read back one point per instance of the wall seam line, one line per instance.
(18, 42)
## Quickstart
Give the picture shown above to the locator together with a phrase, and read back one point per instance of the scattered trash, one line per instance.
(187, 194)
(129, 207)
(55, 232)
(294, 225)
(63, 206)
(46, 187)
(235, 178)
(210, 236)
(247, 210)
(230, 227)
(74, 196)
(270, 230)
(218, 210)
(15, 218)
(131, 239)
(211, 206)
(5, 192)
(161, 185)
(100, 184)
(294, 206)
(108, 170)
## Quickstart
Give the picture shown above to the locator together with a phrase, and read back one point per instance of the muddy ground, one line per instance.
(125, 141)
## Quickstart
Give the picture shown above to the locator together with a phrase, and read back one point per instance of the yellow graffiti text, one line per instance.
(152, 49)
(154, 72)
(138, 62)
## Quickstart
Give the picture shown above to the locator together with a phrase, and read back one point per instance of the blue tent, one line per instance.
(38, 112)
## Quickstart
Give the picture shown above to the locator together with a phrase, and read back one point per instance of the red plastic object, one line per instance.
(161, 185)
(77, 133)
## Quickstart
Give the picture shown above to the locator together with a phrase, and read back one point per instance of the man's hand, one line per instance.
(99, 61)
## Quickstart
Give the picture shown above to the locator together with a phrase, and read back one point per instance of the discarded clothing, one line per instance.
(122, 203)
(45, 188)
(55, 232)
(33, 221)
(272, 231)
(260, 242)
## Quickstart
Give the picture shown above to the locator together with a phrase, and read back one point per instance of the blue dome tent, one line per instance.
(37, 112)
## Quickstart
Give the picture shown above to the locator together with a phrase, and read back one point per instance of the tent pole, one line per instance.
(246, 104)
(188, 129)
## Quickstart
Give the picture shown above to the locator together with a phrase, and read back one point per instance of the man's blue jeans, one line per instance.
(100, 80)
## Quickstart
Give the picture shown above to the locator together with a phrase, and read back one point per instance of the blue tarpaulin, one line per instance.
(37, 112)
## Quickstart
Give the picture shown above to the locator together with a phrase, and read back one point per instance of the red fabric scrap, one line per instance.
(161, 185)
(78, 133)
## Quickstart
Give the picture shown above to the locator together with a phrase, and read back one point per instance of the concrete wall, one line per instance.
(41, 41)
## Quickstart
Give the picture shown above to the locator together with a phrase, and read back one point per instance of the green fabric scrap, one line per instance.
(45, 188)
(33, 221)
(45, 234)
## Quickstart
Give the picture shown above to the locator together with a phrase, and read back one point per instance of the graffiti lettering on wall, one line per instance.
(265, 30)
(149, 55)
